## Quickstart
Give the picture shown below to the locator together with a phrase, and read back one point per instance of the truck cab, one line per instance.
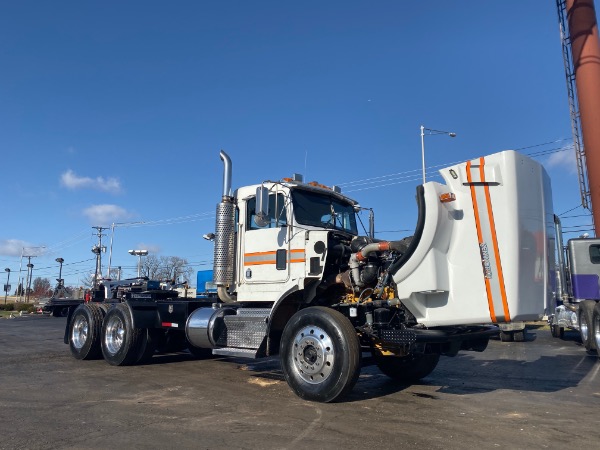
(284, 247)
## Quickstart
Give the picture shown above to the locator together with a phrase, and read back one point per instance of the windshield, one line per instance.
(318, 210)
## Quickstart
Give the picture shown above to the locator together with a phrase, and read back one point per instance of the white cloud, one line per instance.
(101, 215)
(564, 160)
(13, 247)
(152, 248)
(71, 180)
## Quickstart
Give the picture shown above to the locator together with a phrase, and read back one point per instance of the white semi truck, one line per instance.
(294, 278)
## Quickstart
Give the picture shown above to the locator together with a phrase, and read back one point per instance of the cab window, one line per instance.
(595, 254)
(277, 214)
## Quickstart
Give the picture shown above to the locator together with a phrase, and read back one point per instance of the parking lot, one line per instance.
(542, 393)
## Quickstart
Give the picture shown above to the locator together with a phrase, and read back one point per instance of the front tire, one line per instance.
(506, 336)
(85, 330)
(320, 354)
(519, 335)
(586, 311)
(596, 328)
(557, 331)
(122, 344)
(407, 369)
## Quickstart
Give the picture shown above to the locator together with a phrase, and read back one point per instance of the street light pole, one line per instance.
(60, 261)
(429, 131)
(60, 288)
(139, 254)
(7, 287)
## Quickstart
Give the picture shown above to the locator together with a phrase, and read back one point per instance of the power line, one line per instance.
(572, 209)
(413, 174)
(579, 231)
(549, 151)
(577, 215)
(69, 241)
(573, 227)
(173, 220)
(545, 143)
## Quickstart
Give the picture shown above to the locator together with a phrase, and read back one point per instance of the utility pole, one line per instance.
(29, 275)
(20, 287)
(7, 285)
(97, 250)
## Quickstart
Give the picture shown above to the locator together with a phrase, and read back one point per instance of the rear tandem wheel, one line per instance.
(122, 344)
(84, 331)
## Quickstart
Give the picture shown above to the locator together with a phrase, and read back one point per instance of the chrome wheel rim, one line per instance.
(584, 328)
(313, 355)
(114, 336)
(80, 332)
(597, 331)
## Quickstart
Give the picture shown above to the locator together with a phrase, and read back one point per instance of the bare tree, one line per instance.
(177, 269)
(87, 281)
(166, 268)
(114, 273)
(41, 287)
(151, 267)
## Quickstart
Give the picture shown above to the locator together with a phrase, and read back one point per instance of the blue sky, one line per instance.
(116, 111)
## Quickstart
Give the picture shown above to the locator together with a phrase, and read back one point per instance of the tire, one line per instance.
(506, 336)
(596, 328)
(519, 336)
(585, 313)
(60, 311)
(172, 342)
(122, 345)
(408, 368)
(149, 345)
(85, 331)
(320, 354)
(555, 331)
(199, 353)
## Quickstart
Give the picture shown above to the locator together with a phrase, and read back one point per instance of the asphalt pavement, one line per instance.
(542, 393)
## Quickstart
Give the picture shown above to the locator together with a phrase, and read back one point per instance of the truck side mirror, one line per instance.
(262, 207)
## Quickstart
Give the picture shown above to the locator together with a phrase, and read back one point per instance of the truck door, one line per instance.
(584, 259)
(266, 249)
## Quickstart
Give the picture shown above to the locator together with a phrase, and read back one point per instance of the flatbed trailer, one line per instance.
(59, 307)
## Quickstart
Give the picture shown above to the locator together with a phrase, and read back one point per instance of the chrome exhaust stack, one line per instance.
(227, 169)
(224, 256)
